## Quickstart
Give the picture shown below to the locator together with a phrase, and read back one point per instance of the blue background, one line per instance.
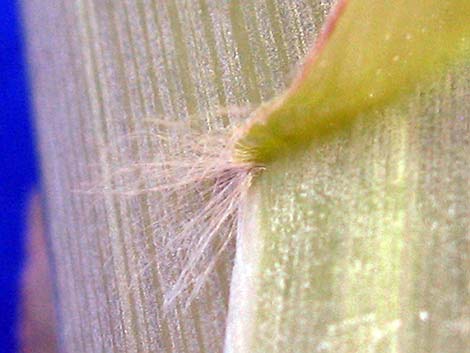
(17, 167)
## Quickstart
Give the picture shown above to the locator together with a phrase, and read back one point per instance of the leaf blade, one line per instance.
(371, 53)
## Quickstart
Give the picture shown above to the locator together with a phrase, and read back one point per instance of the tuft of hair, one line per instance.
(207, 188)
(201, 188)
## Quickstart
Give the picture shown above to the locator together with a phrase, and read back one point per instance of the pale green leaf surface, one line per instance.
(360, 242)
